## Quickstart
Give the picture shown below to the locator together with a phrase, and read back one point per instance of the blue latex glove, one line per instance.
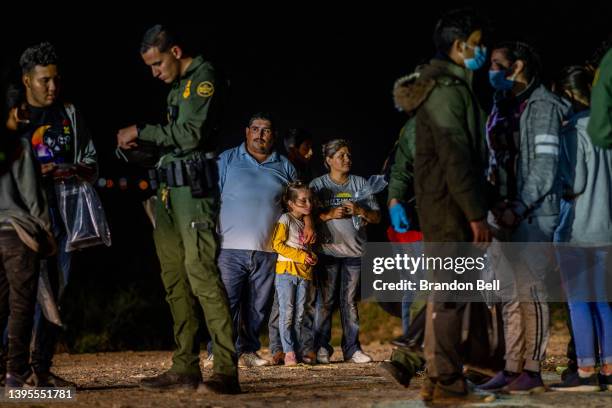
(399, 219)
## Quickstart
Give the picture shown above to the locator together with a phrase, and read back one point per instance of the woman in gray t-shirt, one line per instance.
(341, 247)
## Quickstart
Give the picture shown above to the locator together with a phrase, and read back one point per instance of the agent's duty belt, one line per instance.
(174, 174)
(199, 173)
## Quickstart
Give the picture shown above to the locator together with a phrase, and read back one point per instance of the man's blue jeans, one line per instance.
(248, 277)
(337, 281)
(292, 292)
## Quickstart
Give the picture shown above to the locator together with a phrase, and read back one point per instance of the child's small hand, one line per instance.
(308, 236)
(311, 258)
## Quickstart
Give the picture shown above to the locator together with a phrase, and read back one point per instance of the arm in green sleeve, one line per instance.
(402, 173)
(600, 122)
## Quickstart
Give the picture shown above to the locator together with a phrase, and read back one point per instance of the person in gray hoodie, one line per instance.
(25, 238)
(528, 212)
(587, 179)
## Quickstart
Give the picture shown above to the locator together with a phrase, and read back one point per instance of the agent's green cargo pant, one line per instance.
(186, 247)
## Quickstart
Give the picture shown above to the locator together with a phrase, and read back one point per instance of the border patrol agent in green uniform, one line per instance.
(185, 213)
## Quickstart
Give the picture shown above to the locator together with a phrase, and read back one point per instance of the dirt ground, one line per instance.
(111, 380)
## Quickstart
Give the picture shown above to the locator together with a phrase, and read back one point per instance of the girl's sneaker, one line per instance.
(290, 359)
(575, 383)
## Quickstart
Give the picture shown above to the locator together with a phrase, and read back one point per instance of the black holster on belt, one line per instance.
(203, 175)
(199, 173)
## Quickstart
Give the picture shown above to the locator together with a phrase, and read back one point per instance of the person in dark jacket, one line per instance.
(25, 238)
(449, 182)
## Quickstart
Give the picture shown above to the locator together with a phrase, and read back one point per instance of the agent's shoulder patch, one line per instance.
(205, 89)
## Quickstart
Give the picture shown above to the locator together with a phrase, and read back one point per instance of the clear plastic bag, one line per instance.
(375, 185)
(82, 213)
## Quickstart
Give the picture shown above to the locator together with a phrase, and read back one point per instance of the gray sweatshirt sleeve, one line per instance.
(28, 181)
(581, 173)
(545, 122)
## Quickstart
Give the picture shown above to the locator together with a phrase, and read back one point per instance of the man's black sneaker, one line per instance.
(575, 383)
(220, 384)
(401, 341)
(569, 370)
(170, 379)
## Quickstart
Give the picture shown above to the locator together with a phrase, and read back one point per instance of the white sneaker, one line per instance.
(359, 357)
(208, 363)
(323, 356)
(252, 360)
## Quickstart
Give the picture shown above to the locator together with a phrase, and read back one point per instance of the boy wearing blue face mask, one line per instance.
(449, 182)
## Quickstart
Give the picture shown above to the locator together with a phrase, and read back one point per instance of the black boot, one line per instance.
(170, 379)
(14, 380)
(48, 379)
(220, 384)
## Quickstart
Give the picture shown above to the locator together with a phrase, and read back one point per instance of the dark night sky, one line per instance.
(331, 72)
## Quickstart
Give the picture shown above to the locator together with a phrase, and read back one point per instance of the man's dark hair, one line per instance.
(262, 116)
(456, 25)
(517, 50)
(42, 54)
(295, 137)
(163, 38)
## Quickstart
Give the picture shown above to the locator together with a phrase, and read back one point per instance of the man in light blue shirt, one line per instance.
(252, 178)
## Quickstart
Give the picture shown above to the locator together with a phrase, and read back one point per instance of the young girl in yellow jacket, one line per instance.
(293, 267)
